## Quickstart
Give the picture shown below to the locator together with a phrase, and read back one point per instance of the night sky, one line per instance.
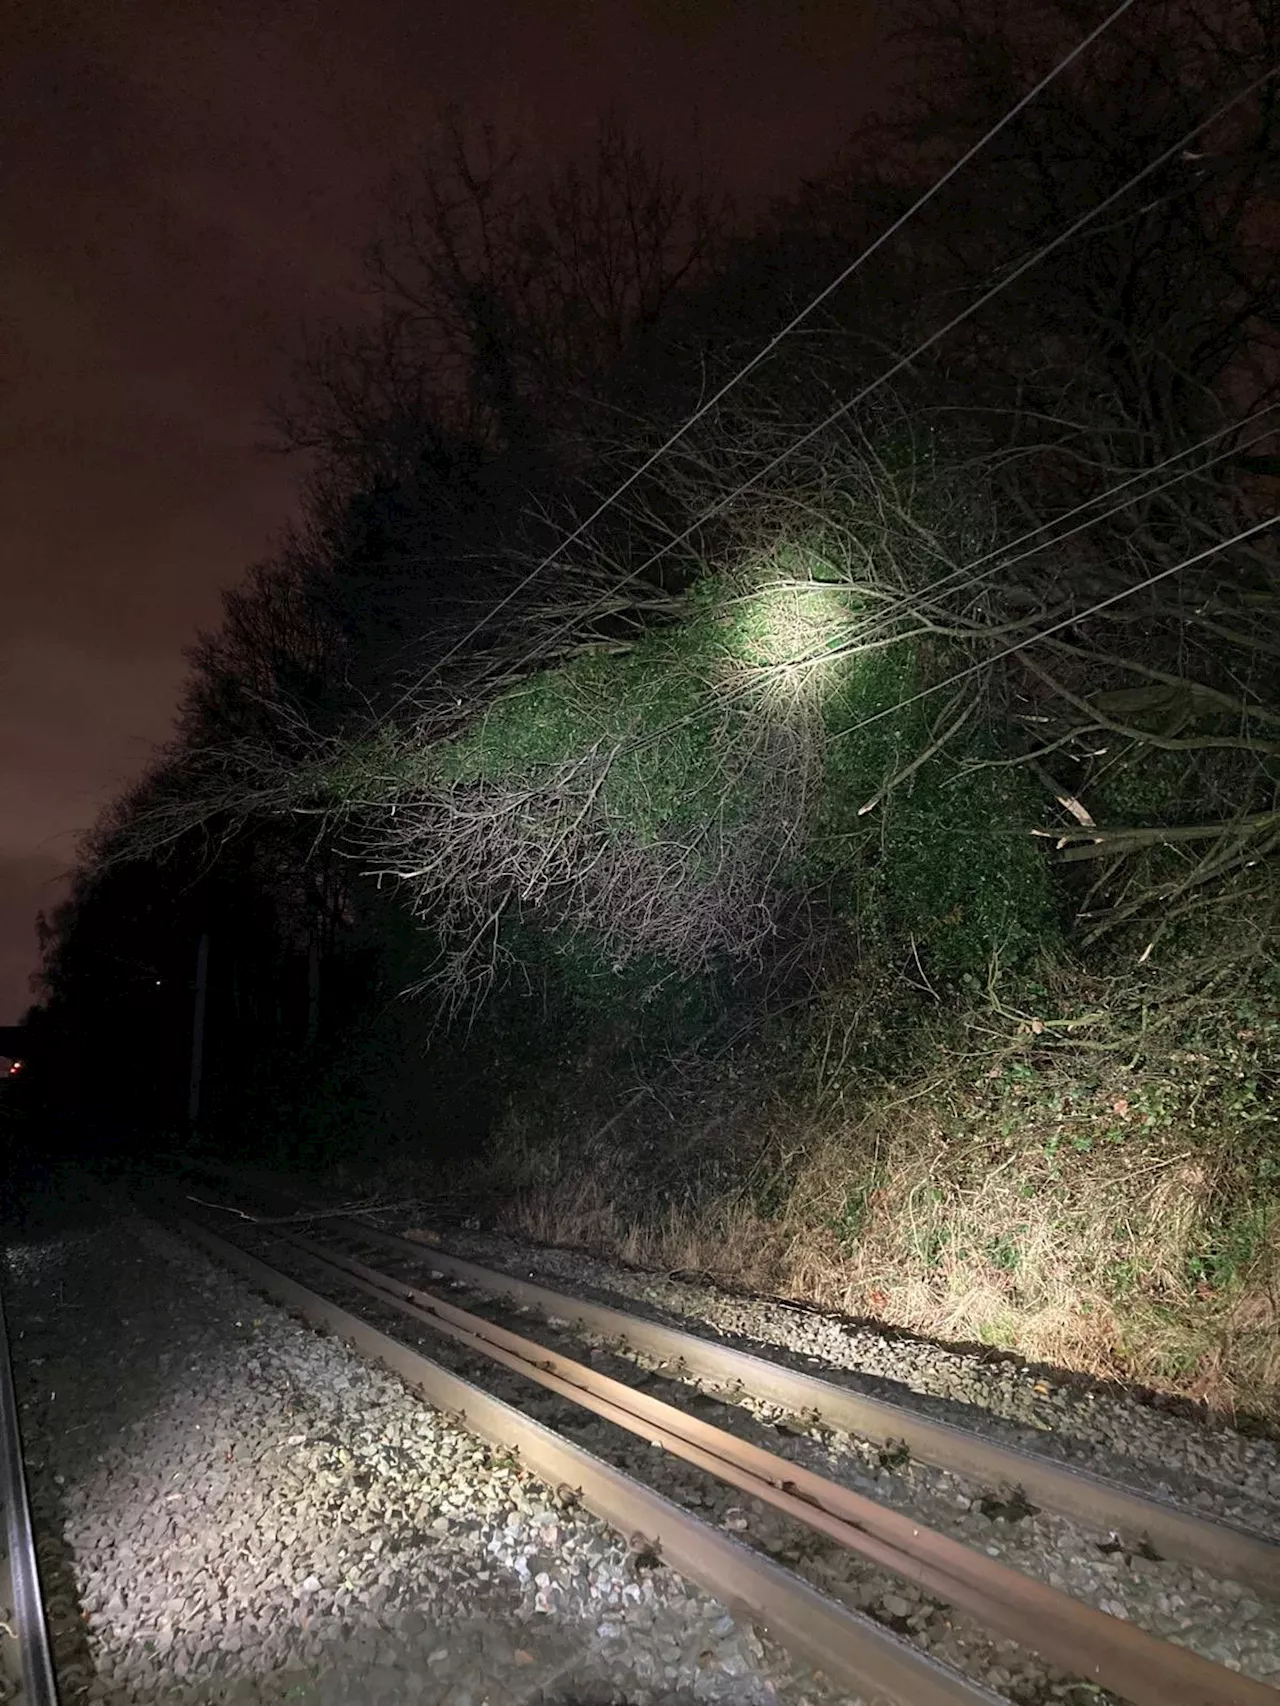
(185, 185)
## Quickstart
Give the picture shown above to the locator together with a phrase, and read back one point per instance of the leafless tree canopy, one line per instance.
(503, 293)
(1001, 517)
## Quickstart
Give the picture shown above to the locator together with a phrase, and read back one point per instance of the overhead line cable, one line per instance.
(1008, 562)
(796, 320)
(963, 571)
(1070, 621)
(926, 344)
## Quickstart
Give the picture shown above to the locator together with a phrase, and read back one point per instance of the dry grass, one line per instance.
(1108, 1205)
(1082, 1263)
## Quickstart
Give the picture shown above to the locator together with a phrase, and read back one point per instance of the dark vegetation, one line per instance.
(847, 864)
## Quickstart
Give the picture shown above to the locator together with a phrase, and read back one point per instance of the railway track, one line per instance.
(1094, 1500)
(26, 1639)
(853, 1650)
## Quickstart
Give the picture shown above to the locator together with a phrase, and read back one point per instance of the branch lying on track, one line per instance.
(344, 1209)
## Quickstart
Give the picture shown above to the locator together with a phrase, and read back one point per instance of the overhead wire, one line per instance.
(844, 408)
(798, 319)
(964, 571)
(850, 403)
(1005, 562)
(1070, 621)
(998, 556)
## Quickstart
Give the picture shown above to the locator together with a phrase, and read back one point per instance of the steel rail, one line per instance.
(1109, 1651)
(1082, 1495)
(852, 1650)
(39, 1685)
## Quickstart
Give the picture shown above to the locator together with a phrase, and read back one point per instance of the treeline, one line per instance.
(482, 778)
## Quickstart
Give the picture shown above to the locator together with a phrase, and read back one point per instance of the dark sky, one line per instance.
(184, 184)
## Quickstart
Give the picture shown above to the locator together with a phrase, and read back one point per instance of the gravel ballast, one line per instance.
(234, 1509)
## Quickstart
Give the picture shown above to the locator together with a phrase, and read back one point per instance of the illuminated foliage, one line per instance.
(695, 800)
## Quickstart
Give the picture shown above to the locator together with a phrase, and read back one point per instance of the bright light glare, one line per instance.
(796, 621)
(793, 628)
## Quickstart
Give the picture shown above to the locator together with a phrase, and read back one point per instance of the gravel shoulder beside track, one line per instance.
(234, 1509)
